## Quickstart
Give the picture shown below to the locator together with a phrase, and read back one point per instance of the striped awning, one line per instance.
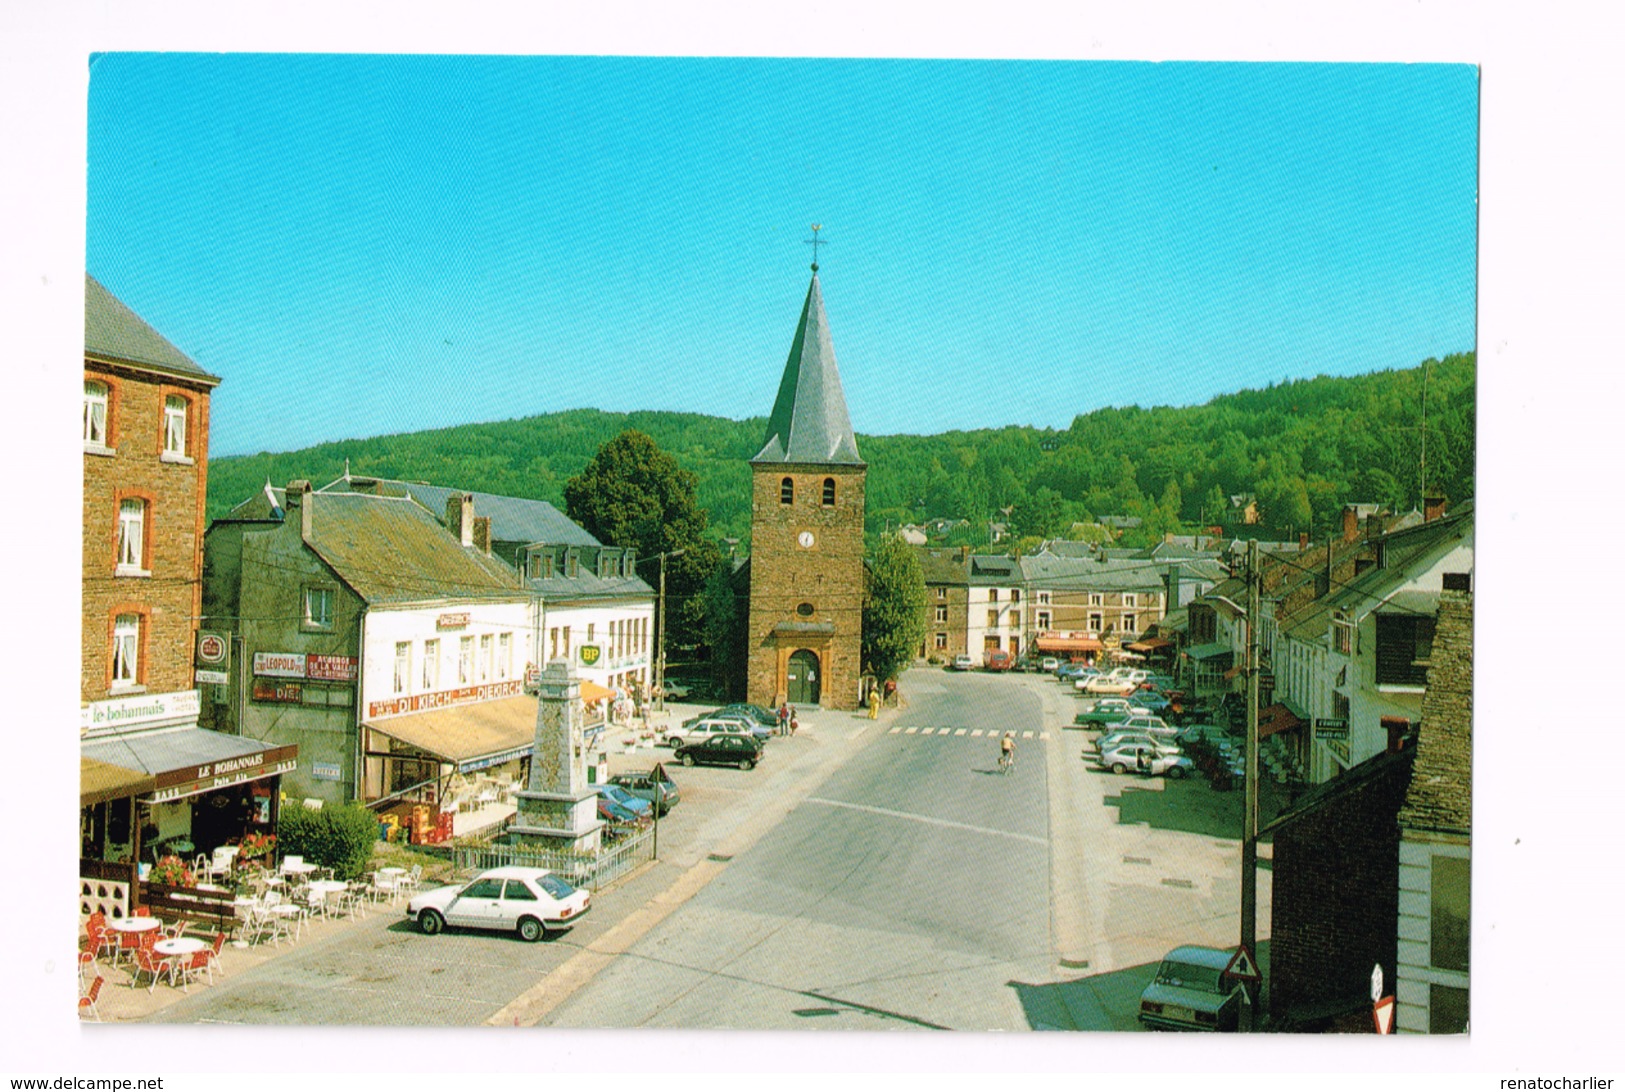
(1056, 643)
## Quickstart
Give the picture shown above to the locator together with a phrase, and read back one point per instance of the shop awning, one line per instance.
(172, 763)
(591, 691)
(1277, 718)
(472, 736)
(100, 781)
(1208, 652)
(1150, 644)
(1055, 643)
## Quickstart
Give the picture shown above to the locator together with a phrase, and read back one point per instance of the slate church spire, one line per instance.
(809, 422)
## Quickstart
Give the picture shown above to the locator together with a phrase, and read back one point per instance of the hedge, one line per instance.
(340, 838)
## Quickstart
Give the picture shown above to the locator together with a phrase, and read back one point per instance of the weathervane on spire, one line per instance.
(813, 242)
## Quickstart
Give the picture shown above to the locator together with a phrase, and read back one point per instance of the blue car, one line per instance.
(635, 808)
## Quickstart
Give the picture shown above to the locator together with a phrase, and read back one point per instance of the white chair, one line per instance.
(292, 862)
(385, 887)
(412, 881)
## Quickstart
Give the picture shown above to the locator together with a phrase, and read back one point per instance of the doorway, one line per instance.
(801, 679)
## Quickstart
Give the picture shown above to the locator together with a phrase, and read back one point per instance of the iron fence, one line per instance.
(593, 871)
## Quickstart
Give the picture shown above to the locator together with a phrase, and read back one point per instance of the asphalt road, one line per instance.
(909, 889)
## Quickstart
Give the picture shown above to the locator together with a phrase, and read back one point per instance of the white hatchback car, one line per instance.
(709, 726)
(530, 901)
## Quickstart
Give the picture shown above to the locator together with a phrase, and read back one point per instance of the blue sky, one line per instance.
(363, 244)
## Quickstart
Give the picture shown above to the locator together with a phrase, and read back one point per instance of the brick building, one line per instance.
(806, 564)
(151, 781)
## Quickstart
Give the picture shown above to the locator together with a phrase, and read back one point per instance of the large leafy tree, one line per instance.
(893, 610)
(633, 494)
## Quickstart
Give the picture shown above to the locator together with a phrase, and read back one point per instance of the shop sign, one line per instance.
(177, 705)
(280, 665)
(213, 659)
(330, 668)
(1331, 728)
(291, 693)
(454, 620)
(325, 771)
(191, 780)
(418, 703)
(590, 654)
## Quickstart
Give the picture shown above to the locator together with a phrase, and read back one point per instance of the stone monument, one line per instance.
(557, 808)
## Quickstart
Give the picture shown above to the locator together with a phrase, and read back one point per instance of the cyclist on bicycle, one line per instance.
(1007, 749)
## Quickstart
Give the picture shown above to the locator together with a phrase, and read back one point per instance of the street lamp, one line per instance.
(660, 632)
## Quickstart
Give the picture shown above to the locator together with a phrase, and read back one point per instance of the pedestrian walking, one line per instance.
(784, 719)
(874, 703)
(794, 724)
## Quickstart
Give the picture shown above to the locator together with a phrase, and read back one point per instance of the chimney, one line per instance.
(1351, 523)
(1173, 587)
(1458, 582)
(1432, 508)
(964, 553)
(460, 517)
(482, 534)
(299, 496)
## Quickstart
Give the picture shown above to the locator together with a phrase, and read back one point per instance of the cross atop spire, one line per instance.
(813, 242)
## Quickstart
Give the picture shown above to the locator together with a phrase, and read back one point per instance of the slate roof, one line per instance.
(1440, 797)
(1052, 573)
(809, 422)
(937, 569)
(392, 550)
(513, 519)
(117, 334)
(986, 570)
(586, 583)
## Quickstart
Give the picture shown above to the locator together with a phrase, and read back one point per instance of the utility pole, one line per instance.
(1249, 812)
(660, 638)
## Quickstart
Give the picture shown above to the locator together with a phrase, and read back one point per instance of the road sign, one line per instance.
(1242, 966)
(1376, 983)
(1382, 1013)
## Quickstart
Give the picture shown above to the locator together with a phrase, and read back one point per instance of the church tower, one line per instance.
(806, 554)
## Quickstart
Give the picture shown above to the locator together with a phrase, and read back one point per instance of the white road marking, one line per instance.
(929, 821)
(960, 732)
(926, 731)
(895, 729)
(910, 731)
(1026, 735)
(1043, 735)
(976, 733)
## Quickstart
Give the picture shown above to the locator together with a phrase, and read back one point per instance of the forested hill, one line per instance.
(1303, 448)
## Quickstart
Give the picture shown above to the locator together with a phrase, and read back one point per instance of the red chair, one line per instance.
(200, 963)
(99, 939)
(87, 1000)
(148, 962)
(143, 911)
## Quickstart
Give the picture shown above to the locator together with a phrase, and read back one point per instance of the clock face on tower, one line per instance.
(806, 540)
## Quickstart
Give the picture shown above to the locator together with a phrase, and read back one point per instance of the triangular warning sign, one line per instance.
(1241, 965)
(1383, 1013)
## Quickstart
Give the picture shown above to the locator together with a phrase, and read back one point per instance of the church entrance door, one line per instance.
(801, 681)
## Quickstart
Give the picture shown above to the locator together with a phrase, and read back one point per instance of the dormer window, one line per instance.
(787, 491)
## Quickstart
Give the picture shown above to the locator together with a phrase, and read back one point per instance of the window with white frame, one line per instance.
(1129, 600)
(431, 663)
(95, 413)
(1130, 624)
(1095, 599)
(942, 614)
(1097, 621)
(175, 425)
(504, 655)
(1043, 619)
(485, 657)
(126, 650)
(942, 640)
(403, 666)
(942, 593)
(1043, 598)
(319, 607)
(465, 660)
(132, 535)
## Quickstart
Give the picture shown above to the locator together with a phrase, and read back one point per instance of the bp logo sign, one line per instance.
(589, 654)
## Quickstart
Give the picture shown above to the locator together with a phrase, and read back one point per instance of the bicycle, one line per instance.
(1007, 761)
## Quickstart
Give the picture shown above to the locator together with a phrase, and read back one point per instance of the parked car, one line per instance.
(963, 662)
(616, 815)
(1108, 711)
(710, 726)
(1109, 684)
(1152, 700)
(1069, 671)
(1189, 992)
(1126, 756)
(721, 749)
(996, 659)
(530, 901)
(1145, 722)
(1049, 663)
(746, 720)
(640, 809)
(767, 718)
(642, 784)
(1125, 738)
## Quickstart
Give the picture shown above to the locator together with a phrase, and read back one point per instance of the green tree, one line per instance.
(631, 493)
(893, 610)
(727, 632)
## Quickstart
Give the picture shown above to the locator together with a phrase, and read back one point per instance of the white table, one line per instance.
(175, 949)
(325, 888)
(303, 868)
(129, 927)
(391, 871)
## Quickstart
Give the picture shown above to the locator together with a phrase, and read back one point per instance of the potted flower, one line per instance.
(254, 848)
(171, 871)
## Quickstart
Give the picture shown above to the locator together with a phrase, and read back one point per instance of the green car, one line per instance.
(1107, 711)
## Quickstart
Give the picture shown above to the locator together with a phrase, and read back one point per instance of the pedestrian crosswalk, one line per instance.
(926, 730)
